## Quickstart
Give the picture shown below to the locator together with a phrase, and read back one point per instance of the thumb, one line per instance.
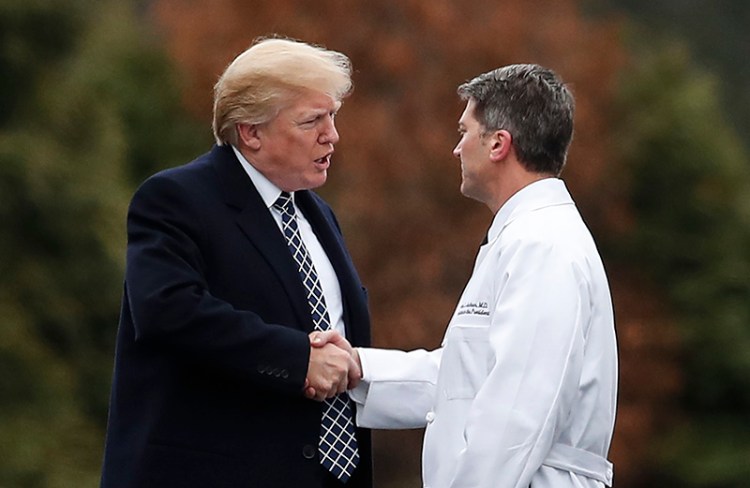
(321, 338)
(318, 338)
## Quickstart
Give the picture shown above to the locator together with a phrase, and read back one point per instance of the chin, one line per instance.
(470, 192)
(317, 182)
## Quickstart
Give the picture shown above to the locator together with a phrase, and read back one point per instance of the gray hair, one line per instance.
(257, 84)
(534, 105)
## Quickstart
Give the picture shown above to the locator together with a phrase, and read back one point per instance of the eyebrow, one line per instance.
(319, 111)
(311, 111)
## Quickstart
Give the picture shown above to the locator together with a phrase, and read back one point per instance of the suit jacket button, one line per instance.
(309, 451)
(284, 374)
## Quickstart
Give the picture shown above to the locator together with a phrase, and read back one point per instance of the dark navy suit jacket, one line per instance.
(212, 347)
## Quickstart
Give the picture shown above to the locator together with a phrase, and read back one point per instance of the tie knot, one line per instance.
(284, 203)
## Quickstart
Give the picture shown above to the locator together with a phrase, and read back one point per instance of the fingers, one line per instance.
(334, 366)
(308, 390)
(310, 393)
(343, 384)
(328, 371)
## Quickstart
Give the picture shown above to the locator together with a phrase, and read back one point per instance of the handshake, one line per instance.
(334, 366)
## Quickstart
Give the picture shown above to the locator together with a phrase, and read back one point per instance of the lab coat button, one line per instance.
(430, 417)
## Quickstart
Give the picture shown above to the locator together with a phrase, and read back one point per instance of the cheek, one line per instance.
(468, 149)
(306, 144)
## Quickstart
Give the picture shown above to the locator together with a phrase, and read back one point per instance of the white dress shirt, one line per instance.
(326, 274)
(523, 390)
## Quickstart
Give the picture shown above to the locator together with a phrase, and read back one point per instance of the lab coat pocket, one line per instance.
(465, 360)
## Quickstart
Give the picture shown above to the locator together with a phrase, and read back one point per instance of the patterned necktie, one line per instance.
(337, 445)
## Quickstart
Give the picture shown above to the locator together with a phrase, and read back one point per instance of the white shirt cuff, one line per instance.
(359, 393)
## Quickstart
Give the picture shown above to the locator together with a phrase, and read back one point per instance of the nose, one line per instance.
(457, 150)
(329, 134)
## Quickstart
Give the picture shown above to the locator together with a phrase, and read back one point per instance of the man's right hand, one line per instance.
(329, 371)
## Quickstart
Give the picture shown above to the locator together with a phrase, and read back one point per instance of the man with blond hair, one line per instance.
(232, 261)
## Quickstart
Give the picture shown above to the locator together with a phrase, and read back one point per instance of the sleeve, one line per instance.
(172, 308)
(536, 339)
(397, 388)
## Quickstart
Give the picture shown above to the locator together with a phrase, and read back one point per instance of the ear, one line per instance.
(248, 135)
(500, 143)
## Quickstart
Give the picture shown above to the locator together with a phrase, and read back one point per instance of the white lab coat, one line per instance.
(523, 390)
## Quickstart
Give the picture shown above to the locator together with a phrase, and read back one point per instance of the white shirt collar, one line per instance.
(267, 190)
(543, 193)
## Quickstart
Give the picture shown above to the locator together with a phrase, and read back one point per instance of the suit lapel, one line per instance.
(259, 227)
(334, 249)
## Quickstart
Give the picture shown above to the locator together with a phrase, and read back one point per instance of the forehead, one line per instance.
(309, 101)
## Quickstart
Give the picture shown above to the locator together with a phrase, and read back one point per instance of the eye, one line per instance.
(310, 121)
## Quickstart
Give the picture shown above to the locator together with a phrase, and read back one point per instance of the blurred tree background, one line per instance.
(716, 33)
(95, 95)
(88, 107)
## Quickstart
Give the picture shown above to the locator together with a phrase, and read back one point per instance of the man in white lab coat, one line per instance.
(523, 390)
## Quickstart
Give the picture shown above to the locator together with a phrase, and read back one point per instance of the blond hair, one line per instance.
(255, 86)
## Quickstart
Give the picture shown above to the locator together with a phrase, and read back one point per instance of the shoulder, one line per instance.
(188, 177)
(193, 172)
(557, 232)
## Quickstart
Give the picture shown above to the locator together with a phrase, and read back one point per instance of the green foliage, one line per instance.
(88, 107)
(690, 188)
(711, 453)
(33, 35)
(716, 31)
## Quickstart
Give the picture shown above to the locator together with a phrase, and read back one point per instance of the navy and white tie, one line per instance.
(337, 445)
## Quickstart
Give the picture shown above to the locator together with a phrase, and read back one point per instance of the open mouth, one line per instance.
(323, 162)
